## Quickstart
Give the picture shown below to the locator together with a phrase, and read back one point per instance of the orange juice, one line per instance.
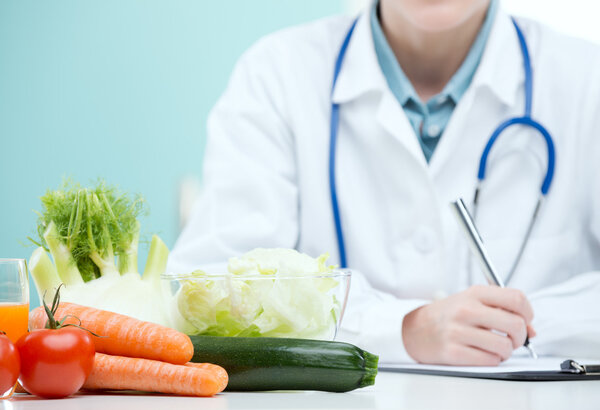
(14, 320)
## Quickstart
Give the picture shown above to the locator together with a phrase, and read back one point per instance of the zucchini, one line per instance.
(267, 363)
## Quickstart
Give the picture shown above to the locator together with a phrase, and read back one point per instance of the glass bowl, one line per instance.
(308, 306)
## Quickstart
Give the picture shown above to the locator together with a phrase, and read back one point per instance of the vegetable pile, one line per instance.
(130, 319)
(129, 355)
(93, 235)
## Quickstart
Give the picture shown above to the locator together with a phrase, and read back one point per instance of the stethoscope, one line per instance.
(523, 120)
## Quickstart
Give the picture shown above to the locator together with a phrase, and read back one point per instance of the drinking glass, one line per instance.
(14, 300)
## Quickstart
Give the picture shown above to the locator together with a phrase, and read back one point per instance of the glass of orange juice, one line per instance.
(14, 300)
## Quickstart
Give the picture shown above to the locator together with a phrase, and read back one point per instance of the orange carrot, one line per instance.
(123, 335)
(219, 372)
(128, 373)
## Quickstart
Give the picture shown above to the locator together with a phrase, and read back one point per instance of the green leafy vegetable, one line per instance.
(93, 235)
(86, 228)
(269, 292)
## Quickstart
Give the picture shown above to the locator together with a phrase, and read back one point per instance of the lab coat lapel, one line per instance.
(360, 74)
(500, 73)
(393, 119)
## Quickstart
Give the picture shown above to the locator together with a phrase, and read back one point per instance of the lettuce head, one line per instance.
(266, 292)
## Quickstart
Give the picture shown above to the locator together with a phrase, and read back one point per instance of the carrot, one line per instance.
(128, 373)
(219, 372)
(123, 335)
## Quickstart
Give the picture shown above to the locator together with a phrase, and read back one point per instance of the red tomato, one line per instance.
(9, 364)
(55, 362)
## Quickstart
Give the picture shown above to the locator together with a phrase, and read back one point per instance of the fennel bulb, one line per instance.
(92, 235)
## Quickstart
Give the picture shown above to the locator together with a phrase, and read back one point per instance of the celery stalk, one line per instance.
(156, 263)
(44, 274)
(127, 261)
(63, 259)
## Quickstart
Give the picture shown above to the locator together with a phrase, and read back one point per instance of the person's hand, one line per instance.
(457, 330)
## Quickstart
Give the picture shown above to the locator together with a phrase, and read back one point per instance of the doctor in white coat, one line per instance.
(416, 293)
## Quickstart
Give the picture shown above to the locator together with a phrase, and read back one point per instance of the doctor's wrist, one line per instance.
(412, 327)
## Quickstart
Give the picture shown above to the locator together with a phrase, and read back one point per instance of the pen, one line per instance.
(476, 244)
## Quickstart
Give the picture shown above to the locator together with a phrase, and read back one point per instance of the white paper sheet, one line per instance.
(514, 364)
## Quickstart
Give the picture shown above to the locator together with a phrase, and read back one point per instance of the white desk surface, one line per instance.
(391, 391)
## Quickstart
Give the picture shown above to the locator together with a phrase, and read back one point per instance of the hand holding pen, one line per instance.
(476, 244)
(457, 330)
(480, 326)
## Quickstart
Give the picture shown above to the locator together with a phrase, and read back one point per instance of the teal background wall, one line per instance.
(118, 89)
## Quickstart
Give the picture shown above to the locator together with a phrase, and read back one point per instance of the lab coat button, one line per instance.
(433, 130)
(424, 239)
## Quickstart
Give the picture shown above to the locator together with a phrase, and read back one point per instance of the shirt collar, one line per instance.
(500, 69)
(398, 82)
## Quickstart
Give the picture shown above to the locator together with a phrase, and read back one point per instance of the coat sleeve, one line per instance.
(373, 320)
(567, 318)
(249, 195)
(567, 315)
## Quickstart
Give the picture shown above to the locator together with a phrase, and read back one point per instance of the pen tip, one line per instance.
(530, 349)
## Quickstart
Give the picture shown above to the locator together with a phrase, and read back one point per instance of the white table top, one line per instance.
(391, 391)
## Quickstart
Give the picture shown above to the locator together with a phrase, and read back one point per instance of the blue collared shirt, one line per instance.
(429, 119)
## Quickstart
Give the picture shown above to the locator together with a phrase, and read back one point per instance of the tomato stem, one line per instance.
(52, 323)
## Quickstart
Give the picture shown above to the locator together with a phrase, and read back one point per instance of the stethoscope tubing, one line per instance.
(333, 132)
(525, 120)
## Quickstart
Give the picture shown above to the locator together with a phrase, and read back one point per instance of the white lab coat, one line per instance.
(266, 179)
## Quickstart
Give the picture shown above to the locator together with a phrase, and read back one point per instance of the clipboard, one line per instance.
(518, 370)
